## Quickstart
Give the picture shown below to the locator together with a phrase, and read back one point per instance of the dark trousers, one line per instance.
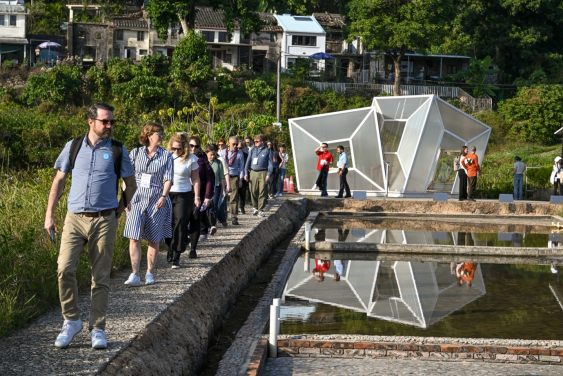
(556, 184)
(242, 194)
(182, 215)
(462, 177)
(233, 196)
(344, 183)
(273, 181)
(205, 223)
(471, 186)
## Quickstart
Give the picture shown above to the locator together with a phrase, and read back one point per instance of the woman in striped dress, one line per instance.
(149, 215)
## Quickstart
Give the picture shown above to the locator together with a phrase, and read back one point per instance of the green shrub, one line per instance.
(61, 84)
(539, 177)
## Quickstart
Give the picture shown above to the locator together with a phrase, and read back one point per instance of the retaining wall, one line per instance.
(176, 342)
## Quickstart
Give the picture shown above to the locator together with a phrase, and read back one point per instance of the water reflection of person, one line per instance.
(516, 240)
(339, 266)
(321, 267)
(342, 235)
(465, 272)
(556, 269)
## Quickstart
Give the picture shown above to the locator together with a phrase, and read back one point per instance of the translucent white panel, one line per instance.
(413, 130)
(450, 142)
(379, 121)
(415, 237)
(481, 145)
(304, 157)
(333, 182)
(400, 107)
(426, 153)
(333, 126)
(407, 286)
(396, 175)
(367, 157)
(426, 287)
(394, 237)
(391, 135)
(338, 294)
(458, 122)
(361, 278)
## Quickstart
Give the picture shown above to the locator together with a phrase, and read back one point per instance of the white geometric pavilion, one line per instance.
(418, 136)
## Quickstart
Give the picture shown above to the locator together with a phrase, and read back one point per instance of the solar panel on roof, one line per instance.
(302, 18)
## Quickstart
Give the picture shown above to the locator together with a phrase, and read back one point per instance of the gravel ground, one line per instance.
(31, 351)
(336, 366)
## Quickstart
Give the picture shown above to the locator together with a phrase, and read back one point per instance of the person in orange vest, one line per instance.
(471, 165)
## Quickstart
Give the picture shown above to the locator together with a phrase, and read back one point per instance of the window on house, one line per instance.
(140, 36)
(228, 58)
(451, 69)
(118, 34)
(13, 20)
(302, 40)
(223, 36)
(98, 35)
(2, 20)
(117, 53)
(208, 36)
(142, 52)
(173, 33)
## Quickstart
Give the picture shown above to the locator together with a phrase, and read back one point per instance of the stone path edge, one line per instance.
(165, 346)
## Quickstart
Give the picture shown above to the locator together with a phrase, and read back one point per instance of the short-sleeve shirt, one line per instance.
(93, 186)
(520, 167)
(160, 168)
(183, 173)
(324, 155)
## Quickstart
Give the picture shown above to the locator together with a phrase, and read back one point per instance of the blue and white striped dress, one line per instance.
(145, 220)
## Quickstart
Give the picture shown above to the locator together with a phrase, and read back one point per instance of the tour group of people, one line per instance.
(175, 194)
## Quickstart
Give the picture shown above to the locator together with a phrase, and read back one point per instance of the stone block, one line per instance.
(507, 357)
(518, 350)
(385, 346)
(473, 349)
(397, 353)
(343, 345)
(359, 195)
(364, 345)
(534, 351)
(461, 355)
(354, 352)
(440, 196)
(288, 351)
(503, 197)
(484, 356)
(318, 344)
(299, 343)
(497, 350)
(419, 354)
(407, 347)
(308, 350)
(550, 358)
(430, 348)
(556, 352)
(283, 343)
(325, 351)
(376, 353)
(556, 200)
(440, 355)
(450, 348)
(529, 358)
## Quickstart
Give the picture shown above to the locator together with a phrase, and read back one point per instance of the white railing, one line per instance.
(476, 104)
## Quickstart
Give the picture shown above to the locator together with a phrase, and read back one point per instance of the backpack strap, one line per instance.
(74, 149)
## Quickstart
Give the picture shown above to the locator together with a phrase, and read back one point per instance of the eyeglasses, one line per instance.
(160, 134)
(107, 121)
(177, 149)
(194, 146)
(256, 141)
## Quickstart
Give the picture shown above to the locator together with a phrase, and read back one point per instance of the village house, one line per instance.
(13, 41)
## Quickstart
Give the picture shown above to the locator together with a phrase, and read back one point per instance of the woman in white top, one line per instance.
(186, 182)
(284, 157)
(555, 178)
(462, 174)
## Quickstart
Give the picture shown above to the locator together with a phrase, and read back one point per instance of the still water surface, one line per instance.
(441, 299)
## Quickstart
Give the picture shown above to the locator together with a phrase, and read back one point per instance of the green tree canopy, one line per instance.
(393, 27)
(191, 61)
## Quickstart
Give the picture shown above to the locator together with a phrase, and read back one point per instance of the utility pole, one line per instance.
(278, 92)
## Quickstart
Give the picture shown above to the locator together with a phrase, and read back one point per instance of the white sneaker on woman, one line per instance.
(149, 279)
(133, 280)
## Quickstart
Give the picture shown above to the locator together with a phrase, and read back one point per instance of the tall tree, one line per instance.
(395, 26)
(166, 13)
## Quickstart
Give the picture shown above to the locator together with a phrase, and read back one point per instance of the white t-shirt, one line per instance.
(183, 173)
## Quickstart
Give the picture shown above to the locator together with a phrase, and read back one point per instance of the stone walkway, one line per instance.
(336, 366)
(31, 351)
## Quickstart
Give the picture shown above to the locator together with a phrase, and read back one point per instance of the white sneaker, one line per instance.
(280, 195)
(254, 211)
(133, 280)
(70, 329)
(261, 214)
(99, 339)
(149, 279)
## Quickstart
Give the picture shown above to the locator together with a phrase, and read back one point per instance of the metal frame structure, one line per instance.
(408, 133)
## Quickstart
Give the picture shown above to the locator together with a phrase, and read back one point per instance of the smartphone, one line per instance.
(53, 235)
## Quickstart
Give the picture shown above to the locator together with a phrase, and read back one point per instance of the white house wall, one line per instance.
(7, 31)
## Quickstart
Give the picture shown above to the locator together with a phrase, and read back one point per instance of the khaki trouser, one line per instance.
(471, 186)
(99, 234)
(258, 189)
(233, 196)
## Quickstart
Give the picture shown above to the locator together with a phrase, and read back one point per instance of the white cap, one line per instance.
(557, 159)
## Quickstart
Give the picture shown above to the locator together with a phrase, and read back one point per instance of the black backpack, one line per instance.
(116, 149)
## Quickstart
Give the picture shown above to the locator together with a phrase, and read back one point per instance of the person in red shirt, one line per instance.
(471, 165)
(321, 267)
(325, 160)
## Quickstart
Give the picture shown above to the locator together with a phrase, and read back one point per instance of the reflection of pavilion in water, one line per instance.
(379, 236)
(413, 293)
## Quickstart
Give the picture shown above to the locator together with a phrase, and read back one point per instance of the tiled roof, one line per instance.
(330, 20)
(139, 23)
(209, 17)
(269, 22)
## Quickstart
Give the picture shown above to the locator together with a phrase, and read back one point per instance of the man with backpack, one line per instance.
(96, 163)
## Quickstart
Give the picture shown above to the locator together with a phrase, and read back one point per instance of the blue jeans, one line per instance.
(282, 178)
(518, 186)
(219, 204)
(324, 192)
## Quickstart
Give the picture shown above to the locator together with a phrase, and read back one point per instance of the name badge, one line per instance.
(255, 161)
(146, 180)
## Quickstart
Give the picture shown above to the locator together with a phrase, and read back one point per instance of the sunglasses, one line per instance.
(256, 141)
(194, 146)
(107, 121)
(160, 134)
(177, 149)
